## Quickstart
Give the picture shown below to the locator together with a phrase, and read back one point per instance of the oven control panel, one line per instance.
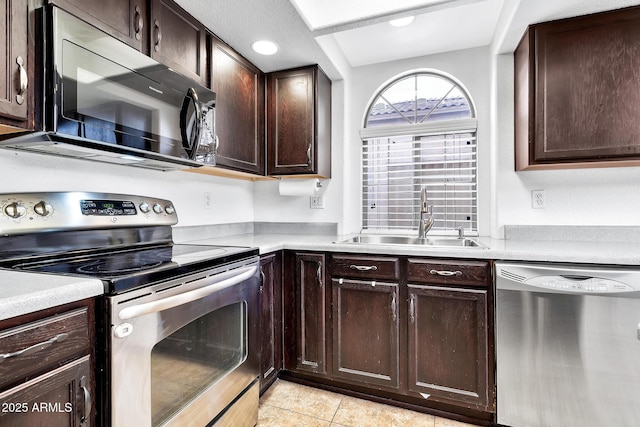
(31, 212)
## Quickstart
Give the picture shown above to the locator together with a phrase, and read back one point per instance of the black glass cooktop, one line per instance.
(124, 270)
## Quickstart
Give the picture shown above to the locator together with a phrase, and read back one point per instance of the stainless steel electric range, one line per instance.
(177, 326)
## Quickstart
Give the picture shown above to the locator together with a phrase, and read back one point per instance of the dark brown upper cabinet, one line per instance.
(577, 92)
(299, 122)
(15, 99)
(240, 99)
(178, 40)
(124, 19)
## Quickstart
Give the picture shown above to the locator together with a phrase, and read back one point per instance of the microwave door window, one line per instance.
(107, 102)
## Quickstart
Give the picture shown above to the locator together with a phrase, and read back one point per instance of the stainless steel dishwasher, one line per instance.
(568, 345)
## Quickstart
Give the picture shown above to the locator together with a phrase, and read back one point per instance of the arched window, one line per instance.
(420, 132)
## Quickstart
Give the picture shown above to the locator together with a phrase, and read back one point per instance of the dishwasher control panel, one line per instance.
(567, 278)
(579, 284)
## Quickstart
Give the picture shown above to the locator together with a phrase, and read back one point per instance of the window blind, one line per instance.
(395, 169)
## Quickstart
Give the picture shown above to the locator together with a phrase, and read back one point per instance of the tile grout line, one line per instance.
(337, 409)
(296, 412)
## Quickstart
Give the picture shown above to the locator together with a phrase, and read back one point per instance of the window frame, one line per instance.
(417, 131)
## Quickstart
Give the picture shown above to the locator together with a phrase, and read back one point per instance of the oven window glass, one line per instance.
(193, 358)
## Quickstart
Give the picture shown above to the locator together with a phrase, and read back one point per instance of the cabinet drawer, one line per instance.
(447, 272)
(35, 347)
(366, 267)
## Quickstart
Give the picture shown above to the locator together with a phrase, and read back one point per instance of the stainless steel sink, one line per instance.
(448, 242)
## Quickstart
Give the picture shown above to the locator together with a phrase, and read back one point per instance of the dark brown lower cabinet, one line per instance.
(270, 319)
(58, 398)
(448, 344)
(305, 313)
(366, 334)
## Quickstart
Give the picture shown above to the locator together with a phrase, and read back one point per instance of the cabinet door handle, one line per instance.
(24, 80)
(138, 23)
(412, 308)
(394, 308)
(363, 267)
(445, 273)
(34, 348)
(309, 154)
(156, 26)
(319, 273)
(86, 410)
(264, 279)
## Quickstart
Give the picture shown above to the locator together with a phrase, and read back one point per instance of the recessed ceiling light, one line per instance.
(264, 47)
(401, 22)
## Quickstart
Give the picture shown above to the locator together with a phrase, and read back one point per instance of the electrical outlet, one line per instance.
(317, 202)
(208, 200)
(537, 199)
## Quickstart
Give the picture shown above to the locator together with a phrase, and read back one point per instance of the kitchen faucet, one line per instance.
(426, 215)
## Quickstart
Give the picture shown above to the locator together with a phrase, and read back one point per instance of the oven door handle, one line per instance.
(239, 276)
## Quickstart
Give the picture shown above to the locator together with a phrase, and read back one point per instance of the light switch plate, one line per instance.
(317, 202)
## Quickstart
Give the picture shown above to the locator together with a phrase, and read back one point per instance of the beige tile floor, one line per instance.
(287, 404)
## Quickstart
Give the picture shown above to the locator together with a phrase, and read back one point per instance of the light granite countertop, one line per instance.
(610, 253)
(23, 292)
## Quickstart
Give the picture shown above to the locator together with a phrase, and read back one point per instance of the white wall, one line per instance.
(233, 199)
(472, 68)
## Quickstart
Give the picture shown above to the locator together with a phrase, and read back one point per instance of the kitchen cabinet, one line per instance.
(366, 320)
(270, 319)
(240, 115)
(15, 99)
(46, 377)
(124, 19)
(411, 330)
(178, 40)
(305, 313)
(576, 92)
(299, 123)
(448, 332)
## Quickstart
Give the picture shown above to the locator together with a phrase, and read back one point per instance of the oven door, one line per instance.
(181, 352)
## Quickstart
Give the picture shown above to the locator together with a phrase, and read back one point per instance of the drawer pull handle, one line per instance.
(445, 273)
(156, 45)
(263, 281)
(363, 267)
(34, 348)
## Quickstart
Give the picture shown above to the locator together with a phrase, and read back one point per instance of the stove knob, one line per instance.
(144, 207)
(43, 208)
(157, 208)
(170, 209)
(15, 210)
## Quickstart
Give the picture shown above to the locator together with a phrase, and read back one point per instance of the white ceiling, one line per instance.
(361, 30)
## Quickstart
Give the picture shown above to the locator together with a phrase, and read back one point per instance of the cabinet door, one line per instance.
(448, 345)
(178, 40)
(270, 320)
(59, 398)
(13, 51)
(240, 98)
(365, 332)
(299, 122)
(123, 19)
(305, 313)
(575, 82)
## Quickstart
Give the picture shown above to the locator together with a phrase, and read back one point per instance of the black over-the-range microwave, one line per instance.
(103, 100)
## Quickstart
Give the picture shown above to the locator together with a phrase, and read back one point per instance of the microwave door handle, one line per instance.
(190, 141)
(237, 276)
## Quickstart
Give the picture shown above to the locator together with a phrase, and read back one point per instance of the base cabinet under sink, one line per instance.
(407, 330)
